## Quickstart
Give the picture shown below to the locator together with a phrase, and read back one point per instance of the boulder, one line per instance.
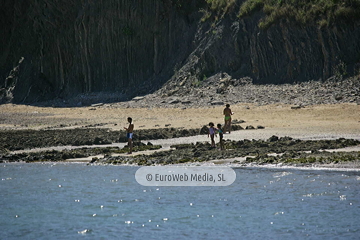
(273, 138)
(204, 130)
(174, 101)
(217, 103)
(138, 98)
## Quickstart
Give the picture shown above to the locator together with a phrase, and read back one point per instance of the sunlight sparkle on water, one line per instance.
(309, 206)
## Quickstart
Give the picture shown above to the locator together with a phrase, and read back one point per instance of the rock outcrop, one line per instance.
(72, 47)
(134, 47)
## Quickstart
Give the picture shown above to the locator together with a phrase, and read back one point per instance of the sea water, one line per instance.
(77, 201)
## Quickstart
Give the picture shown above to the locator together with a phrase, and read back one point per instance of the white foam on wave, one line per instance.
(229, 163)
(274, 166)
(315, 167)
(355, 167)
(85, 231)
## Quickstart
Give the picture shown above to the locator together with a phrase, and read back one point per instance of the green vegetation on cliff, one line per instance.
(221, 5)
(321, 12)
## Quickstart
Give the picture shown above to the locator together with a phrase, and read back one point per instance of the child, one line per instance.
(212, 134)
(129, 134)
(221, 135)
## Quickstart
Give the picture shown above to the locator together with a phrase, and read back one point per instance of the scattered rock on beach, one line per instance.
(235, 91)
(273, 138)
(204, 130)
(296, 107)
(174, 101)
(138, 98)
(217, 103)
(235, 121)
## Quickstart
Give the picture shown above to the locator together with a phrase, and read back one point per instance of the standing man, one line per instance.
(129, 134)
(227, 113)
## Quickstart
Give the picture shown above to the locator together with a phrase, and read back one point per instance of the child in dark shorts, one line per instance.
(129, 134)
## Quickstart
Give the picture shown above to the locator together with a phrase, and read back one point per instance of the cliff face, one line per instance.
(134, 47)
(284, 53)
(78, 46)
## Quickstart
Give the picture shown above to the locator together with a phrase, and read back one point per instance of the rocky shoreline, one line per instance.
(283, 151)
(274, 150)
(221, 89)
(12, 140)
(210, 92)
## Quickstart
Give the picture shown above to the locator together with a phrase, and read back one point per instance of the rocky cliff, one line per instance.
(135, 47)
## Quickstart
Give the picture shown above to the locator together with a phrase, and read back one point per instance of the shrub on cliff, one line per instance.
(321, 12)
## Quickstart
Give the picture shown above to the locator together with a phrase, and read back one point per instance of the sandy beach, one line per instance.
(335, 119)
(315, 122)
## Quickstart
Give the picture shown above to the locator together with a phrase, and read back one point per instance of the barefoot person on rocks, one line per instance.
(227, 113)
(129, 134)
